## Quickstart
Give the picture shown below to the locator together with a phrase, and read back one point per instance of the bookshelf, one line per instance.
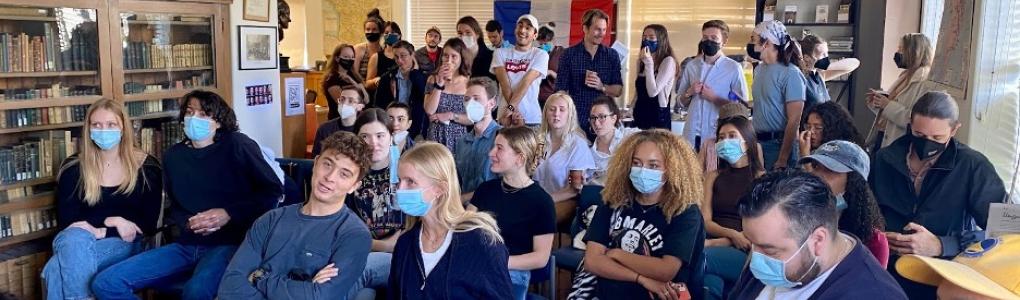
(840, 28)
(59, 56)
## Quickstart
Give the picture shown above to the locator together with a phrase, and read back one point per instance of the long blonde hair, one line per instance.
(917, 51)
(89, 183)
(573, 125)
(435, 162)
(682, 185)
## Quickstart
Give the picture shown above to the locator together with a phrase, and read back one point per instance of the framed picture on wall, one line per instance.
(256, 10)
(256, 47)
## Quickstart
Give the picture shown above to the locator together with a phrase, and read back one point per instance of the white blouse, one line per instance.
(602, 159)
(574, 154)
(430, 260)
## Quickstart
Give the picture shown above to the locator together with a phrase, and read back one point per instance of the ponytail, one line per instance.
(789, 52)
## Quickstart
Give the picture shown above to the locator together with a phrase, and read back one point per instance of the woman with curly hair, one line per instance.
(827, 122)
(649, 235)
(844, 166)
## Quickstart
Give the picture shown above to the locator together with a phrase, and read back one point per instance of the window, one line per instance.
(444, 14)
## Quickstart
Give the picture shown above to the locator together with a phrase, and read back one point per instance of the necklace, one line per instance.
(509, 189)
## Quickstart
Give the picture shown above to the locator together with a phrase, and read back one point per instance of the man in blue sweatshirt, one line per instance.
(314, 250)
(796, 250)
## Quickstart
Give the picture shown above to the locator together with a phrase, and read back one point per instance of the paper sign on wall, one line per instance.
(294, 96)
(1003, 219)
(261, 94)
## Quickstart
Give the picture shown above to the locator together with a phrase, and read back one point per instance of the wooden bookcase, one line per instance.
(146, 54)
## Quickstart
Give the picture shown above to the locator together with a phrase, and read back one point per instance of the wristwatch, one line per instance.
(437, 86)
(511, 107)
(256, 275)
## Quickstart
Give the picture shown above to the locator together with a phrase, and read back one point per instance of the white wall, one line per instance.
(902, 17)
(295, 39)
(262, 123)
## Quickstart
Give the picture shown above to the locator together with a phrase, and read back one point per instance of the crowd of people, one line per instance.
(441, 171)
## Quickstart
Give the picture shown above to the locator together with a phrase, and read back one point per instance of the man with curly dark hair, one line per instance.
(297, 251)
(827, 122)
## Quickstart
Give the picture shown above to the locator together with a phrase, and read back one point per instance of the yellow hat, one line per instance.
(990, 267)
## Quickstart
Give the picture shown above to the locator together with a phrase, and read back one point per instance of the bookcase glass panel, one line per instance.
(166, 52)
(48, 53)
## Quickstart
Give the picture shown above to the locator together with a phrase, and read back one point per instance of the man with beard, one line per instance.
(428, 56)
(796, 250)
(590, 69)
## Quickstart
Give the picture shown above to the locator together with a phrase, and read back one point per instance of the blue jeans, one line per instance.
(77, 257)
(519, 281)
(164, 267)
(723, 270)
(770, 151)
(376, 276)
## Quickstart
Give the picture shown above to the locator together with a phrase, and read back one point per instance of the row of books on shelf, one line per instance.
(23, 192)
(27, 221)
(26, 117)
(47, 91)
(155, 140)
(841, 43)
(197, 80)
(20, 52)
(140, 55)
(19, 273)
(141, 108)
(37, 155)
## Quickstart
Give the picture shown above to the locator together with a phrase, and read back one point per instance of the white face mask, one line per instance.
(347, 111)
(469, 41)
(475, 110)
(400, 136)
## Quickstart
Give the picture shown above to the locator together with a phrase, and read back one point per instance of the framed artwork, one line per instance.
(256, 10)
(257, 47)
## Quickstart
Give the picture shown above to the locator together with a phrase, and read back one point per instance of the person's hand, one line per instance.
(661, 290)
(512, 119)
(740, 241)
(128, 230)
(879, 100)
(708, 93)
(922, 242)
(326, 274)
(695, 88)
(207, 222)
(98, 233)
(718, 242)
(805, 142)
(445, 72)
(442, 117)
(646, 58)
(592, 80)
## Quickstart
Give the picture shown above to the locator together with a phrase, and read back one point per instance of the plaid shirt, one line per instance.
(571, 73)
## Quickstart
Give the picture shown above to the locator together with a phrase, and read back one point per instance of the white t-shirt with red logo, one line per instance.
(517, 64)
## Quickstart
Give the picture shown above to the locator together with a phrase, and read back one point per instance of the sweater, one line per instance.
(292, 247)
(230, 174)
(474, 267)
(140, 206)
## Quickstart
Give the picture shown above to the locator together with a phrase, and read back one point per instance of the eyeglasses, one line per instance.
(600, 118)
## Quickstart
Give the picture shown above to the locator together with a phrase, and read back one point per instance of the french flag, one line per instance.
(566, 14)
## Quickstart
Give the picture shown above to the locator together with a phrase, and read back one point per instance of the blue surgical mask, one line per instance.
(475, 110)
(197, 129)
(772, 272)
(651, 45)
(730, 150)
(412, 202)
(646, 181)
(106, 139)
(840, 202)
(394, 157)
(391, 39)
(547, 47)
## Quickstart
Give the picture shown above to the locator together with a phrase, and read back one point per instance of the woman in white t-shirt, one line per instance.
(609, 132)
(568, 160)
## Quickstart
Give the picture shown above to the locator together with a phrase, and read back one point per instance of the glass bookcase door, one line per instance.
(48, 57)
(167, 52)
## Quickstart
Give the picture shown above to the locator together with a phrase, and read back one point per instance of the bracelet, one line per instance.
(437, 86)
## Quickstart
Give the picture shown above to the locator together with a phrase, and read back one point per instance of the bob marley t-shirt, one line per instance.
(643, 230)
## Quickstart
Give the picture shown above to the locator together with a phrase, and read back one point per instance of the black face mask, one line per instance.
(709, 48)
(348, 64)
(822, 64)
(373, 37)
(925, 148)
(753, 54)
(898, 59)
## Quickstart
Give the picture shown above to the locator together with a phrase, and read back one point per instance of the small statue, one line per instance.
(284, 16)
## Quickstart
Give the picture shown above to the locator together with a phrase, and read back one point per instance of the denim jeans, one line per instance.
(770, 151)
(519, 281)
(723, 270)
(376, 276)
(163, 268)
(77, 257)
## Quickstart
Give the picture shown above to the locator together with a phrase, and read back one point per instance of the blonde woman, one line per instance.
(450, 252)
(648, 236)
(568, 160)
(108, 196)
(914, 55)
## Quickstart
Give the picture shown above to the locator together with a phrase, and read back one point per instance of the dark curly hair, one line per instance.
(213, 106)
(351, 146)
(837, 123)
(861, 216)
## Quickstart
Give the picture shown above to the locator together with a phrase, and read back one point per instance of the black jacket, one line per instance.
(387, 93)
(954, 197)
